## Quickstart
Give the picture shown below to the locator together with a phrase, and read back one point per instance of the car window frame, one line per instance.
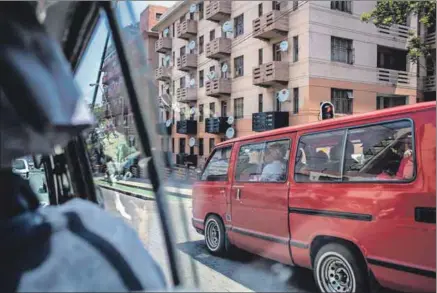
(265, 142)
(231, 146)
(346, 129)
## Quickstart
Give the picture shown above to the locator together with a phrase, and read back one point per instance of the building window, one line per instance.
(212, 68)
(239, 25)
(276, 5)
(278, 104)
(224, 108)
(173, 89)
(341, 50)
(174, 58)
(239, 108)
(239, 66)
(277, 53)
(345, 6)
(211, 35)
(158, 16)
(295, 5)
(223, 74)
(295, 100)
(173, 29)
(211, 144)
(200, 44)
(260, 56)
(172, 145)
(295, 48)
(201, 79)
(200, 9)
(389, 102)
(182, 82)
(211, 110)
(182, 114)
(182, 51)
(200, 146)
(182, 18)
(201, 113)
(260, 103)
(260, 10)
(222, 139)
(342, 101)
(182, 145)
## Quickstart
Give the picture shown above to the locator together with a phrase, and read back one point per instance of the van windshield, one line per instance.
(19, 164)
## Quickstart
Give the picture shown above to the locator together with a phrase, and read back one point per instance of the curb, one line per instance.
(151, 189)
(133, 194)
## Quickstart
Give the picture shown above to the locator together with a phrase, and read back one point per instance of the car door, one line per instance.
(259, 201)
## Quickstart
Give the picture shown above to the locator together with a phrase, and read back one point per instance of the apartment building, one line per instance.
(329, 55)
(117, 106)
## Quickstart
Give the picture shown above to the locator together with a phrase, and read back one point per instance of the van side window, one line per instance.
(319, 157)
(380, 152)
(263, 162)
(218, 165)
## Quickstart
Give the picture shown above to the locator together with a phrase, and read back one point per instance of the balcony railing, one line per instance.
(216, 125)
(187, 29)
(163, 73)
(429, 84)
(218, 10)
(186, 95)
(395, 31)
(187, 62)
(186, 127)
(218, 87)
(430, 39)
(270, 74)
(264, 121)
(163, 45)
(218, 48)
(270, 25)
(186, 159)
(393, 77)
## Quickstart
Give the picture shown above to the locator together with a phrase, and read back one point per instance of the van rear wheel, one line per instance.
(337, 269)
(215, 235)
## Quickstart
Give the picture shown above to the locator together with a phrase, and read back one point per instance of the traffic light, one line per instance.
(327, 110)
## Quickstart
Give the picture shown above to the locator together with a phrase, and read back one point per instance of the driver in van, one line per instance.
(275, 168)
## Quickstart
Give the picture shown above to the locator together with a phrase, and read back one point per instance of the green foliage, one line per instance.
(390, 12)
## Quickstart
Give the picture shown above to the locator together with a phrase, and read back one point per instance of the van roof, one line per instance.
(346, 119)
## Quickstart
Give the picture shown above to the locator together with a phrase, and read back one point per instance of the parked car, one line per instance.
(21, 167)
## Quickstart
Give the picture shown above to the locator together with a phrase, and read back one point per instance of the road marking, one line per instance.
(120, 207)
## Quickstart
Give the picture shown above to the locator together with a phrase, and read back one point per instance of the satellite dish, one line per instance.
(211, 75)
(175, 107)
(230, 132)
(192, 142)
(350, 95)
(193, 8)
(166, 32)
(192, 45)
(225, 68)
(167, 60)
(227, 27)
(166, 86)
(283, 46)
(283, 95)
(192, 82)
(192, 111)
(231, 120)
(168, 123)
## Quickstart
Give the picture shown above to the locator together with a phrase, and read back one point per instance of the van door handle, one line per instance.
(238, 194)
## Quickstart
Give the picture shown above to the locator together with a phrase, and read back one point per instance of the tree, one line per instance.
(391, 12)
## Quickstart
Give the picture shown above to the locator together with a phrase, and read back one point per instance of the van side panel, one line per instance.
(378, 218)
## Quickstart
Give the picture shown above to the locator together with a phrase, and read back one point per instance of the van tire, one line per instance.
(337, 268)
(215, 235)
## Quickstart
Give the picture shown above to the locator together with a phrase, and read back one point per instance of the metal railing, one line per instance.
(393, 77)
(396, 30)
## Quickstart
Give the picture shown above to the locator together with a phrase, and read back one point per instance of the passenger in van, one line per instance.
(252, 167)
(405, 170)
(335, 156)
(275, 168)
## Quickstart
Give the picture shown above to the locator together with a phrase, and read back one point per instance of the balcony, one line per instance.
(218, 87)
(393, 77)
(186, 127)
(186, 95)
(163, 73)
(264, 121)
(187, 29)
(429, 84)
(270, 74)
(430, 39)
(217, 125)
(163, 45)
(187, 62)
(218, 11)
(394, 31)
(218, 48)
(270, 25)
(162, 129)
(185, 159)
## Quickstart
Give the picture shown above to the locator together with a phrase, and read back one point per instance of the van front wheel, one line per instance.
(215, 235)
(337, 269)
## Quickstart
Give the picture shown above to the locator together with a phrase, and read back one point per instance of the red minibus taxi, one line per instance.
(352, 198)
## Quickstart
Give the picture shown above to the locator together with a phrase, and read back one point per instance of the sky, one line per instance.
(89, 66)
